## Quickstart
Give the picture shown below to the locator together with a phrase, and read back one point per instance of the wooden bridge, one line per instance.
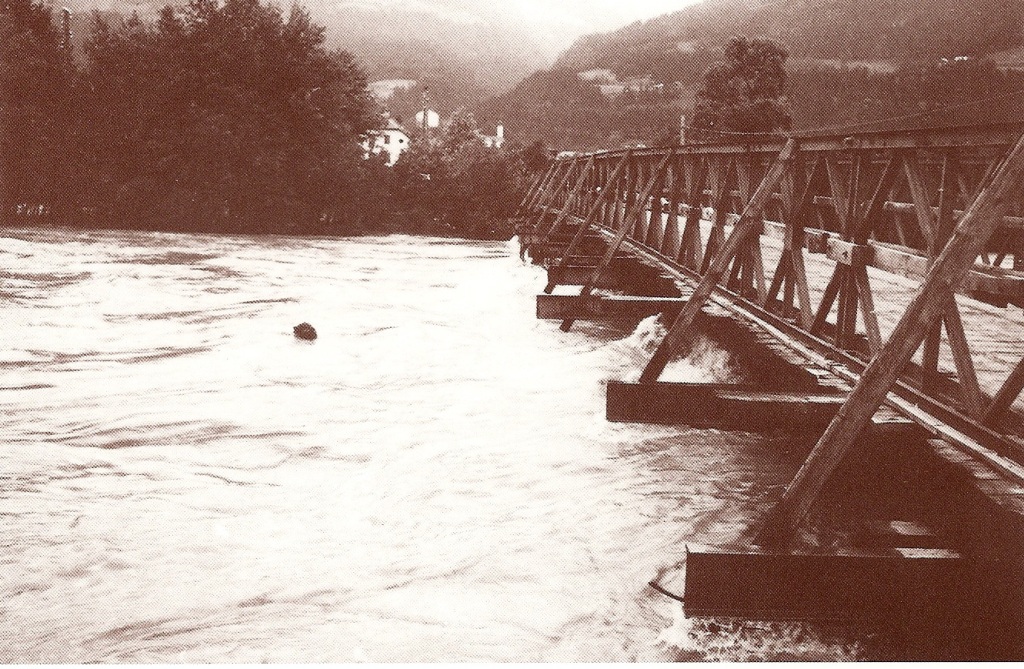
(873, 283)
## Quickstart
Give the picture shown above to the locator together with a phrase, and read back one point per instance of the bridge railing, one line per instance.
(745, 221)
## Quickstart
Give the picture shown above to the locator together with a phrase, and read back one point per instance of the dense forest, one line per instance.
(865, 64)
(560, 109)
(894, 30)
(222, 117)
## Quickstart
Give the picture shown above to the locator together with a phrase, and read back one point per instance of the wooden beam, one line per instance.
(867, 308)
(690, 252)
(577, 275)
(849, 585)
(560, 307)
(949, 270)
(606, 193)
(624, 228)
(721, 406)
(919, 195)
(750, 221)
(972, 397)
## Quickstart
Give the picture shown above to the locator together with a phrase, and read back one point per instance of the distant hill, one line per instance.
(464, 55)
(418, 40)
(851, 61)
(825, 29)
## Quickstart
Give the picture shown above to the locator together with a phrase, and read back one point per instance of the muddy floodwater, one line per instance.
(432, 479)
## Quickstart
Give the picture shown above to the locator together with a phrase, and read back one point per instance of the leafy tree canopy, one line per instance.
(745, 92)
(228, 116)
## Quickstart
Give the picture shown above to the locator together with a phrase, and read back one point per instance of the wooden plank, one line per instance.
(843, 585)
(949, 270)
(560, 307)
(849, 253)
(721, 406)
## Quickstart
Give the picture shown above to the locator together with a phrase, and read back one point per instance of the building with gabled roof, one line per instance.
(392, 140)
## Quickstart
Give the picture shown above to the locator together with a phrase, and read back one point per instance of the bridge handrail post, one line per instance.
(948, 271)
(748, 223)
(585, 225)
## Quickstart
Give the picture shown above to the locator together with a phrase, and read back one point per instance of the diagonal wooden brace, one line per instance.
(549, 193)
(576, 189)
(949, 271)
(749, 223)
(536, 189)
(606, 193)
(626, 226)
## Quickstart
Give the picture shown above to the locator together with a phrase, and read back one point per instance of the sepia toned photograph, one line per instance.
(474, 331)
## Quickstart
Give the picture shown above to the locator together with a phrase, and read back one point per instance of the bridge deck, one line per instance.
(887, 260)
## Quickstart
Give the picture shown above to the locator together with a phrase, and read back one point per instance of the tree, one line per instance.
(33, 105)
(745, 93)
(460, 129)
(224, 117)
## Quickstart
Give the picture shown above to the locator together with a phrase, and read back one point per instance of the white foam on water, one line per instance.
(432, 479)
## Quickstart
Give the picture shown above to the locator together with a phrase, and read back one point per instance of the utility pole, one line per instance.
(425, 118)
(65, 34)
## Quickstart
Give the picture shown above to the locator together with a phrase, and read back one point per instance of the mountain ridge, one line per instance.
(850, 62)
(826, 29)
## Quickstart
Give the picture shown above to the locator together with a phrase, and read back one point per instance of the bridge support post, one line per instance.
(948, 271)
(749, 222)
(631, 217)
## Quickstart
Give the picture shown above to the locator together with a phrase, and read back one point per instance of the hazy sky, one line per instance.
(575, 16)
(592, 15)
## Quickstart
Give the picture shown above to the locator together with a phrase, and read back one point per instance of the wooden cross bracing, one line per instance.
(839, 223)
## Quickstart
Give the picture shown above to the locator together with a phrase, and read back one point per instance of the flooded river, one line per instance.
(432, 479)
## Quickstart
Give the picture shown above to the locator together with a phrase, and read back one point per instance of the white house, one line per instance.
(494, 141)
(391, 140)
(433, 119)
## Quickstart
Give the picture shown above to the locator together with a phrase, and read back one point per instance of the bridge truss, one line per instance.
(806, 238)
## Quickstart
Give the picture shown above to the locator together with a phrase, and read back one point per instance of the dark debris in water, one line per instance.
(304, 331)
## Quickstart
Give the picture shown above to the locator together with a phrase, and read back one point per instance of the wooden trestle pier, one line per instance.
(873, 283)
